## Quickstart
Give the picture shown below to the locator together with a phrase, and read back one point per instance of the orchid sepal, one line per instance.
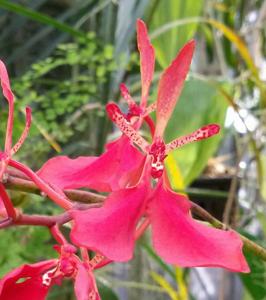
(119, 119)
(200, 134)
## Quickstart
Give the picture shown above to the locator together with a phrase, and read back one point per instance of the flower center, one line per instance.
(157, 152)
(48, 276)
(134, 111)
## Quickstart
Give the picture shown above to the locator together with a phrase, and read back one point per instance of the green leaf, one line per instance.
(158, 260)
(199, 105)
(263, 185)
(255, 281)
(105, 291)
(40, 17)
(161, 281)
(170, 42)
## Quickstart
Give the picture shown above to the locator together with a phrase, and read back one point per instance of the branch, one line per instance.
(24, 185)
(44, 220)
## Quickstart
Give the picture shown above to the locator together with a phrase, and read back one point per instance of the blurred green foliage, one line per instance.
(61, 90)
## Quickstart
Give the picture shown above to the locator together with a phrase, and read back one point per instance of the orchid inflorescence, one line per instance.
(132, 172)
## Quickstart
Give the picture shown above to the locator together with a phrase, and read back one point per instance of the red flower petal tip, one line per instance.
(170, 86)
(147, 60)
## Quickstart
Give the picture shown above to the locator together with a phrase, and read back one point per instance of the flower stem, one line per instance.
(59, 199)
(28, 186)
(11, 212)
(58, 236)
(43, 220)
(141, 229)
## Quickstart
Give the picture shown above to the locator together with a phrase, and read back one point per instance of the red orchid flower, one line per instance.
(6, 205)
(176, 236)
(9, 150)
(34, 281)
(120, 165)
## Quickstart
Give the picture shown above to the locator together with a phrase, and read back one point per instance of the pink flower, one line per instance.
(34, 281)
(176, 236)
(120, 165)
(9, 150)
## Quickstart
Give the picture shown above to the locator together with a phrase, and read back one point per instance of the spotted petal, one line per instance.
(147, 60)
(7, 92)
(170, 86)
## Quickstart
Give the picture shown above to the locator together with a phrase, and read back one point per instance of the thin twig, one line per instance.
(23, 185)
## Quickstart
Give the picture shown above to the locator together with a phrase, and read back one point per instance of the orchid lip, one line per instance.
(48, 276)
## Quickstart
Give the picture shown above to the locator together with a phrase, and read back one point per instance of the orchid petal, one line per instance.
(147, 60)
(32, 287)
(200, 134)
(5, 83)
(118, 167)
(150, 109)
(110, 229)
(170, 86)
(125, 94)
(64, 172)
(24, 133)
(180, 240)
(7, 92)
(3, 213)
(85, 285)
(118, 118)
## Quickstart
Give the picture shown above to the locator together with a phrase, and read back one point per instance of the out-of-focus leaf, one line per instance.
(177, 181)
(158, 260)
(24, 244)
(105, 291)
(263, 181)
(165, 285)
(200, 104)
(244, 52)
(41, 18)
(255, 281)
(47, 136)
(182, 287)
(170, 42)
(238, 42)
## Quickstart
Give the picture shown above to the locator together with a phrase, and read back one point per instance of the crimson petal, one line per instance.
(110, 229)
(170, 86)
(5, 84)
(85, 284)
(31, 287)
(114, 169)
(147, 60)
(180, 240)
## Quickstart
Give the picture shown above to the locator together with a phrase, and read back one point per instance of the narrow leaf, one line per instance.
(165, 285)
(40, 17)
